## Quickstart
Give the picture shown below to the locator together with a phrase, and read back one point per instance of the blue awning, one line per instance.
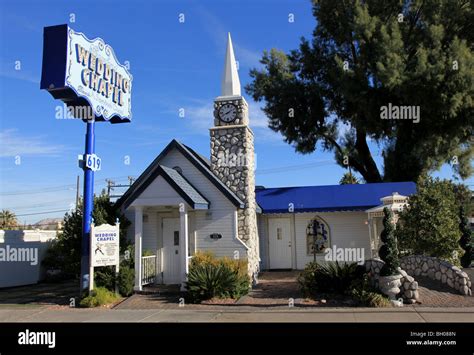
(357, 197)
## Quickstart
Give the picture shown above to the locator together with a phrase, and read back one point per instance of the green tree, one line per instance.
(8, 220)
(363, 57)
(65, 253)
(348, 179)
(466, 242)
(388, 252)
(429, 225)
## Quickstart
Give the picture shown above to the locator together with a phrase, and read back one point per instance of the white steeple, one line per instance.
(230, 79)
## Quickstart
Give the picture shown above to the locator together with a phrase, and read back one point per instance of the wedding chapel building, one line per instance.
(184, 202)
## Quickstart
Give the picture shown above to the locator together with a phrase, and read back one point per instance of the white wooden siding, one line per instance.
(347, 230)
(222, 210)
(158, 193)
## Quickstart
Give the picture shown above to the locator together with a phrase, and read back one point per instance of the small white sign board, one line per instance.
(105, 246)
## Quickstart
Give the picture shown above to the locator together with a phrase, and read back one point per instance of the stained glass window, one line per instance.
(317, 236)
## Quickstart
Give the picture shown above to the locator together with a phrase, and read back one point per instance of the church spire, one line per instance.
(230, 79)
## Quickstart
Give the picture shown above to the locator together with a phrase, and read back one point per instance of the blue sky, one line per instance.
(174, 65)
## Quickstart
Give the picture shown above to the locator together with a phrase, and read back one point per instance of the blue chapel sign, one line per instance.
(86, 75)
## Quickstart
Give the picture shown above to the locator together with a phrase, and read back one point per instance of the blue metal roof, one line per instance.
(329, 198)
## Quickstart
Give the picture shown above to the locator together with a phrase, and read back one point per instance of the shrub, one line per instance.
(210, 277)
(367, 295)
(307, 279)
(98, 297)
(126, 281)
(388, 252)
(467, 241)
(430, 223)
(104, 276)
(331, 277)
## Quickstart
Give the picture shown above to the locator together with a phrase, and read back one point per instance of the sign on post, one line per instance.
(86, 73)
(93, 162)
(87, 76)
(105, 248)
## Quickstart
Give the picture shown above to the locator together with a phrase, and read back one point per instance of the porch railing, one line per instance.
(149, 269)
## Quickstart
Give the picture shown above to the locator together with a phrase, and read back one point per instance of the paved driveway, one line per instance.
(40, 294)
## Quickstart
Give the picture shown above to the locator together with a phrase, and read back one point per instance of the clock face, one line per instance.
(227, 113)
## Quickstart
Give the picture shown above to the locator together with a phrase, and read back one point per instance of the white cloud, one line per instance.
(258, 119)
(12, 144)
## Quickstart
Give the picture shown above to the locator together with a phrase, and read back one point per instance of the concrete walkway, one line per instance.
(406, 314)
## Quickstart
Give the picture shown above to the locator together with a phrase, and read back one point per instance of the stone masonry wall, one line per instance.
(233, 162)
(439, 270)
(408, 289)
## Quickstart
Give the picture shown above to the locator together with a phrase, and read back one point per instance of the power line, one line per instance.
(44, 204)
(54, 188)
(46, 212)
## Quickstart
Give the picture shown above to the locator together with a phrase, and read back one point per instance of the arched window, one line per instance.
(317, 236)
(178, 169)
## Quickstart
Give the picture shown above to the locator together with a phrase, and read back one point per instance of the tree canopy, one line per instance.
(365, 56)
(8, 220)
(65, 253)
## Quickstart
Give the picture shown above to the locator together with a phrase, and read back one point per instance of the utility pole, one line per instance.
(110, 186)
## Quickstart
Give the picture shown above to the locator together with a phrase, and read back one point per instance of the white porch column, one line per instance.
(183, 242)
(376, 237)
(138, 247)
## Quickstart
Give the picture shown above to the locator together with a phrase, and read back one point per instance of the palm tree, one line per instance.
(7, 220)
(348, 179)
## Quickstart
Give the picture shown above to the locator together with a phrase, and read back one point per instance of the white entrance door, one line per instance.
(279, 243)
(171, 253)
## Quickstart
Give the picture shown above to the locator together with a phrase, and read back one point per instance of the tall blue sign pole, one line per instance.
(88, 207)
(86, 74)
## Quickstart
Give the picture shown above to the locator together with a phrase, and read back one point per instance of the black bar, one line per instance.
(243, 338)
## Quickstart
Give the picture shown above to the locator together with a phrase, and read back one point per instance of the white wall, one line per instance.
(347, 230)
(18, 273)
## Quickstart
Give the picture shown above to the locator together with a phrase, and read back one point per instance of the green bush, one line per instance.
(126, 281)
(388, 252)
(467, 239)
(429, 225)
(347, 279)
(98, 297)
(210, 277)
(307, 279)
(330, 277)
(104, 276)
(367, 295)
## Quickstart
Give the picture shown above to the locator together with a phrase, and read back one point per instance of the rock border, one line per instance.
(438, 270)
(409, 287)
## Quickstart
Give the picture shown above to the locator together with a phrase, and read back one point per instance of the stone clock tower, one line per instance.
(232, 154)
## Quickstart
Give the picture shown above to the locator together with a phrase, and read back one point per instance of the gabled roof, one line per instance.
(187, 191)
(154, 169)
(357, 197)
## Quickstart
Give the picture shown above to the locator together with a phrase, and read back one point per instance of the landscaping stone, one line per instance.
(407, 282)
(438, 270)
